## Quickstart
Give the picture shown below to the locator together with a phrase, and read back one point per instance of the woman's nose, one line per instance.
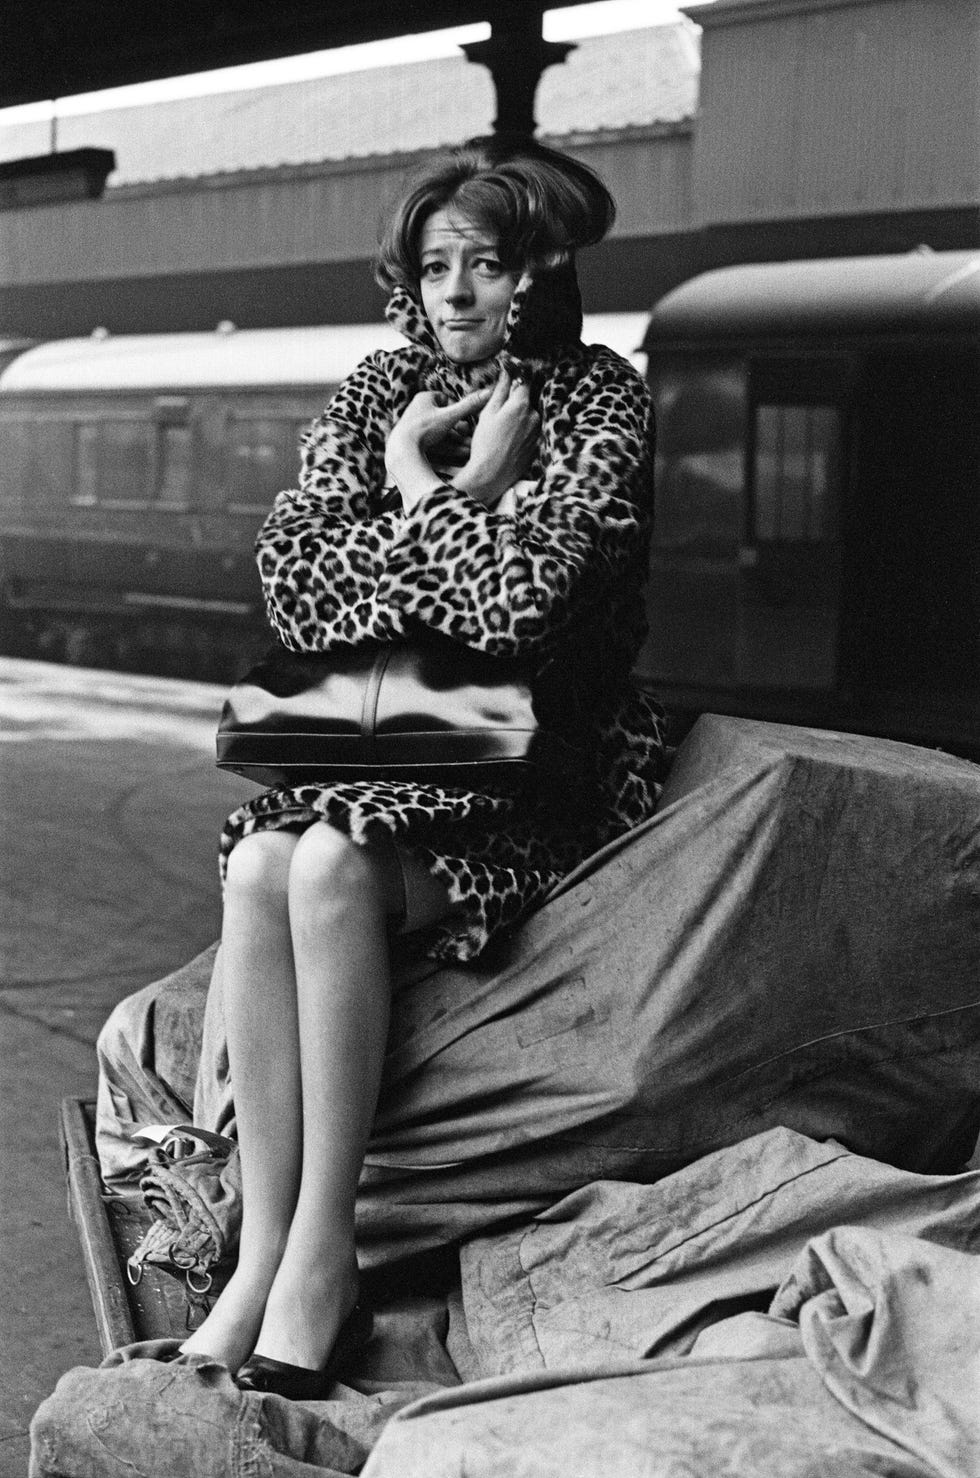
(459, 287)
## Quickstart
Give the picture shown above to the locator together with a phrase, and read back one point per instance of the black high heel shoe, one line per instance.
(299, 1383)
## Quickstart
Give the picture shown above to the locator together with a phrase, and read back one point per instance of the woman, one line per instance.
(490, 481)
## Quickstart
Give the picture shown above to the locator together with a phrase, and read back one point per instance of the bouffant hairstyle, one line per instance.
(539, 204)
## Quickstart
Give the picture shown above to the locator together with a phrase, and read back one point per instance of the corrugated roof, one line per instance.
(629, 78)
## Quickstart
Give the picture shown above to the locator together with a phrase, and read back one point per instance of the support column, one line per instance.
(517, 54)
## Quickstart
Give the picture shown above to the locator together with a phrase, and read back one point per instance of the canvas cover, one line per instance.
(778, 1352)
(695, 1131)
(867, 1361)
(791, 941)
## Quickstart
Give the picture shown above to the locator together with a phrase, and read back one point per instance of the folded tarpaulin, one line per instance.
(893, 1326)
(781, 1351)
(617, 1271)
(792, 940)
(851, 1354)
(883, 1379)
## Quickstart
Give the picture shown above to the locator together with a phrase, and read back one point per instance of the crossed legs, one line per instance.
(306, 983)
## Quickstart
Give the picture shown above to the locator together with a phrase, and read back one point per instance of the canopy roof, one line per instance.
(58, 47)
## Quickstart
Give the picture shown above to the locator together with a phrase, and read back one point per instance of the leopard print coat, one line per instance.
(559, 578)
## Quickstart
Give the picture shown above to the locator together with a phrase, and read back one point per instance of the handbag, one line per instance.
(433, 710)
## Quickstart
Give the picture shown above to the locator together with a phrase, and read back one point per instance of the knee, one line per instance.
(258, 867)
(329, 869)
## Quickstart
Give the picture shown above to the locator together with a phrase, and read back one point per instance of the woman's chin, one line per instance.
(462, 350)
(470, 359)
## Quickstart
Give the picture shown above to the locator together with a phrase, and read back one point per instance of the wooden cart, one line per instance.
(160, 1304)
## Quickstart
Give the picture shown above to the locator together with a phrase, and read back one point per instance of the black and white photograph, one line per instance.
(490, 739)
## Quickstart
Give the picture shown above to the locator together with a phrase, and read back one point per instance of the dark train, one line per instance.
(816, 554)
(817, 545)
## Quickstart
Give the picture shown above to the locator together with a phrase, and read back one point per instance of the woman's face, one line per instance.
(465, 291)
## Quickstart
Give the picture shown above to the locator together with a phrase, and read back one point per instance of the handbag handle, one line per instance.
(369, 706)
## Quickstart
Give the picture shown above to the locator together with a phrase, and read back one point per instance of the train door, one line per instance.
(693, 598)
(745, 566)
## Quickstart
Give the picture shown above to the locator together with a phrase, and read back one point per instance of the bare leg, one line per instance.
(263, 1050)
(339, 896)
(307, 988)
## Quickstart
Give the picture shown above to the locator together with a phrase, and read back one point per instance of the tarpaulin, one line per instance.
(617, 1270)
(792, 940)
(852, 1353)
(883, 1380)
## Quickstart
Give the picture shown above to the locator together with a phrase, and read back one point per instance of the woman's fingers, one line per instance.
(506, 391)
(470, 403)
(433, 421)
(501, 389)
(512, 394)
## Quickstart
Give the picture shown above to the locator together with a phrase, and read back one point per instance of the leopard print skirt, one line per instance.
(498, 852)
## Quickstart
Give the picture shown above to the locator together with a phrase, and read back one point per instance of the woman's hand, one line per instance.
(504, 442)
(424, 424)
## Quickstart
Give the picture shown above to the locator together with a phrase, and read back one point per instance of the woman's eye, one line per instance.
(489, 266)
(432, 269)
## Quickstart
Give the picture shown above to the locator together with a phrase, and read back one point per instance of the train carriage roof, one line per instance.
(918, 293)
(238, 358)
(228, 358)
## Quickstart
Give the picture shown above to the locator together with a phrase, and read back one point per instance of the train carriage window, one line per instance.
(86, 464)
(174, 462)
(174, 451)
(795, 473)
(789, 603)
(262, 459)
(114, 462)
(37, 461)
(701, 420)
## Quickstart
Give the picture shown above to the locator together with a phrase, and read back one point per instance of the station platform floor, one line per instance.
(110, 809)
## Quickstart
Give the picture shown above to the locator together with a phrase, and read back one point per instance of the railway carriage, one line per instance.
(135, 472)
(816, 554)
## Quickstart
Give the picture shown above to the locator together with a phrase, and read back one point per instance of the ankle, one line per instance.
(304, 1312)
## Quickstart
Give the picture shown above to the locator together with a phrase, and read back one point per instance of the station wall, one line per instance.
(819, 107)
(826, 128)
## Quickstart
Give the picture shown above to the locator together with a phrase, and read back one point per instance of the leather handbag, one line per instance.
(433, 711)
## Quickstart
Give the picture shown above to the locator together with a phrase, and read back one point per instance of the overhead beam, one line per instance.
(56, 48)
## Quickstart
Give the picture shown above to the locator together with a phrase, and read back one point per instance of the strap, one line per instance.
(372, 693)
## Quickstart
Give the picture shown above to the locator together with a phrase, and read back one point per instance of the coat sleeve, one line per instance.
(504, 582)
(324, 547)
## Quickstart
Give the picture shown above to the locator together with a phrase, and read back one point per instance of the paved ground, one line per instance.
(110, 809)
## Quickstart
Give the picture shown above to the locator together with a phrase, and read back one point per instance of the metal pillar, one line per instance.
(517, 54)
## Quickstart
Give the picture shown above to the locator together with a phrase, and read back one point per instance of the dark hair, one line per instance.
(539, 204)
